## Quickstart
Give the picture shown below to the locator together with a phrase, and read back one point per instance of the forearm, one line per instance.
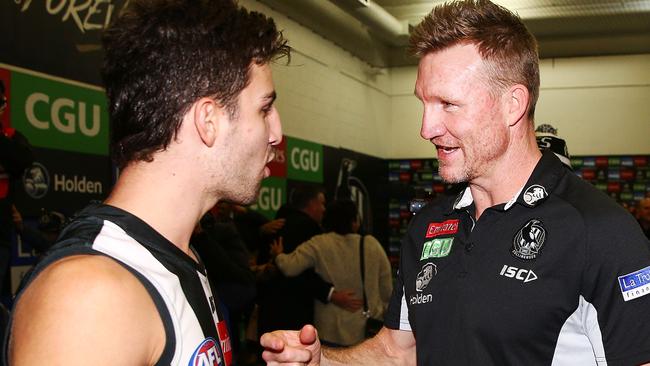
(379, 350)
(293, 264)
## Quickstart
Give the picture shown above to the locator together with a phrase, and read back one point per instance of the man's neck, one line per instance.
(506, 177)
(164, 198)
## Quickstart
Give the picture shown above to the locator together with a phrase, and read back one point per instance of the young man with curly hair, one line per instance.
(193, 122)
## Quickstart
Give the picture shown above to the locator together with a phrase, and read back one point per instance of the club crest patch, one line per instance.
(424, 276)
(534, 193)
(635, 284)
(528, 242)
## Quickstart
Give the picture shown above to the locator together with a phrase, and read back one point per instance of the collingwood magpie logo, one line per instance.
(529, 240)
(534, 193)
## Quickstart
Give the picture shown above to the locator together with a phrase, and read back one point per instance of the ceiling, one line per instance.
(377, 30)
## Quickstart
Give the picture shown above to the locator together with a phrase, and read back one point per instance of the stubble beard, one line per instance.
(475, 162)
(244, 190)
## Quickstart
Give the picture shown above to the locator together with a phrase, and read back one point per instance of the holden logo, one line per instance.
(424, 277)
(36, 181)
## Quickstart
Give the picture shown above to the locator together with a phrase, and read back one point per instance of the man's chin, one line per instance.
(451, 177)
(255, 194)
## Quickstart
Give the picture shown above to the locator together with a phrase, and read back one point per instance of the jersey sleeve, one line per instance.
(616, 281)
(397, 315)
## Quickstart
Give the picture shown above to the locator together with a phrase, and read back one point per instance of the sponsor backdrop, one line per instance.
(66, 123)
(624, 178)
(341, 173)
(56, 37)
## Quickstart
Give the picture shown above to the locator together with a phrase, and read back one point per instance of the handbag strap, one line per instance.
(363, 271)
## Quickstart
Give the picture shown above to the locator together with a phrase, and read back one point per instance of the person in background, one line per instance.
(547, 139)
(335, 256)
(16, 155)
(41, 238)
(529, 264)
(287, 303)
(193, 122)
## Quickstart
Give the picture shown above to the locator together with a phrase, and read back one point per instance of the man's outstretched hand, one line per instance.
(291, 347)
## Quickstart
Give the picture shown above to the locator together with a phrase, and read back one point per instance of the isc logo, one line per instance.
(518, 273)
(306, 160)
(73, 113)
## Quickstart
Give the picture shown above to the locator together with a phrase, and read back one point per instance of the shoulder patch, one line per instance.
(636, 284)
(534, 193)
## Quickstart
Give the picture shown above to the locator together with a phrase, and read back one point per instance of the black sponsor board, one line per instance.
(63, 181)
(56, 37)
(363, 178)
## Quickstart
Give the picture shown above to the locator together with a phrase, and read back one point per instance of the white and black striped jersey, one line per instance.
(196, 333)
(557, 276)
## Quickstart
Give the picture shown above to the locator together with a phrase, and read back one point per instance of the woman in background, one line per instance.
(335, 257)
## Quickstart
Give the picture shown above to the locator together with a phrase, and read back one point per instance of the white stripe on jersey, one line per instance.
(580, 341)
(404, 323)
(116, 243)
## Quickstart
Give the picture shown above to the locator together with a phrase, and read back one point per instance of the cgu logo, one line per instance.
(73, 113)
(270, 198)
(306, 160)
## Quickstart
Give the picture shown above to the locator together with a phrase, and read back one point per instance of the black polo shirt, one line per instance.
(556, 276)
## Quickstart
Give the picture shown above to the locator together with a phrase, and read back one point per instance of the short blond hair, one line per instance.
(507, 47)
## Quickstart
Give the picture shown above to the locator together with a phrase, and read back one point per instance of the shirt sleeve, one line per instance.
(616, 281)
(385, 275)
(397, 315)
(296, 262)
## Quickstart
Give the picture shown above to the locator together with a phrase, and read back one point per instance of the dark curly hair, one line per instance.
(507, 47)
(163, 55)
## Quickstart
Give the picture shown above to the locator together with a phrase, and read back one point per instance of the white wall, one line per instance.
(328, 96)
(601, 105)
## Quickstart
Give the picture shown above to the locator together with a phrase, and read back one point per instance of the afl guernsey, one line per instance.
(195, 330)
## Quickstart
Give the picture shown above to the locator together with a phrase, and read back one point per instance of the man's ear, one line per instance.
(207, 118)
(517, 103)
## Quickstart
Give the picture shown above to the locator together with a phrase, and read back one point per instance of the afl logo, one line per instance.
(208, 353)
(529, 240)
(36, 181)
(534, 193)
